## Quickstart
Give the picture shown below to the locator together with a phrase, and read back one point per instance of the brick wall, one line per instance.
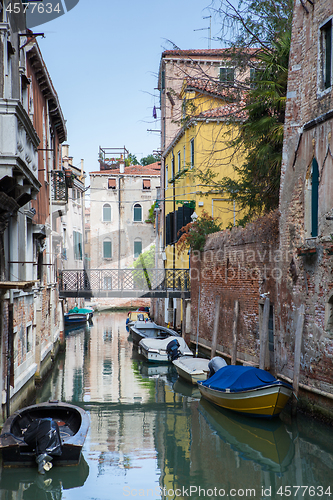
(240, 264)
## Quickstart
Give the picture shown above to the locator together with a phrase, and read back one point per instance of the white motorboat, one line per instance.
(192, 369)
(160, 350)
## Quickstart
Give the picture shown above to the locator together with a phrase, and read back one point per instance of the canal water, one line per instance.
(152, 437)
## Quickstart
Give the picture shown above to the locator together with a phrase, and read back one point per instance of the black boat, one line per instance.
(48, 434)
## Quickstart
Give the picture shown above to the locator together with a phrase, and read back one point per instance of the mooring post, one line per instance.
(264, 352)
(216, 325)
(297, 358)
(234, 333)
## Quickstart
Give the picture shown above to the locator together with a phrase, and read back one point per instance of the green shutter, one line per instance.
(314, 198)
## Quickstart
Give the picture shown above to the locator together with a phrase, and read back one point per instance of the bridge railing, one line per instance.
(135, 281)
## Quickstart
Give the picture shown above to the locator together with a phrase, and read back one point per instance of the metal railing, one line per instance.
(124, 282)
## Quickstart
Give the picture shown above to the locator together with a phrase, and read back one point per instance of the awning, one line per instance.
(112, 183)
(146, 183)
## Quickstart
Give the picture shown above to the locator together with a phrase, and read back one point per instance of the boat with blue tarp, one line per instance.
(246, 389)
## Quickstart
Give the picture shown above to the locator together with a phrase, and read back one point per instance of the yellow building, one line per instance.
(200, 146)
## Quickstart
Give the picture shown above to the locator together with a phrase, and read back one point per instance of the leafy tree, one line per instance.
(147, 160)
(195, 233)
(131, 160)
(264, 27)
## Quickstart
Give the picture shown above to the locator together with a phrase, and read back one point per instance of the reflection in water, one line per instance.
(150, 430)
(26, 483)
(266, 442)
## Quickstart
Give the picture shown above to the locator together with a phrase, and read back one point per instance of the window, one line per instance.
(77, 240)
(137, 213)
(107, 249)
(166, 177)
(326, 55)
(107, 282)
(179, 161)
(107, 212)
(173, 166)
(112, 183)
(227, 75)
(29, 337)
(146, 184)
(192, 152)
(311, 200)
(329, 315)
(137, 248)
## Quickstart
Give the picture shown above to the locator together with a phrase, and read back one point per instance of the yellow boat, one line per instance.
(247, 390)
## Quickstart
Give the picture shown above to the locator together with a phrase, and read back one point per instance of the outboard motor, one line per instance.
(140, 317)
(172, 350)
(42, 434)
(216, 364)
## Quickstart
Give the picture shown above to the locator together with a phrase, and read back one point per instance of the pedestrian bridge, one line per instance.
(150, 283)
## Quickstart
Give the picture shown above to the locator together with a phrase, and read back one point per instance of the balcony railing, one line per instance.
(124, 282)
(59, 188)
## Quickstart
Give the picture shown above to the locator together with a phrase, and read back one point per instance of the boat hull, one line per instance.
(192, 370)
(76, 318)
(141, 330)
(267, 401)
(73, 426)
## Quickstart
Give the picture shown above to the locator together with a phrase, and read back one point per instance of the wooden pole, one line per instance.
(216, 325)
(264, 352)
(234, 333)
(197, 345)
(297, 358)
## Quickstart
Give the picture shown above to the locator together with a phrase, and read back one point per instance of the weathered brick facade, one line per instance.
(241, 264)
(306, 203)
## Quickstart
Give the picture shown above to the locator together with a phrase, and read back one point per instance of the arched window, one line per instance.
(107, 212)
(107, 249)
(311, 200)
(137, 248)
(137, 213)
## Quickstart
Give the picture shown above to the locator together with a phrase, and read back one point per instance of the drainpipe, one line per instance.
(121, 171)
(10, 326)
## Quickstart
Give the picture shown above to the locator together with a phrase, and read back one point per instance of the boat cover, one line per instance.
(239, 378)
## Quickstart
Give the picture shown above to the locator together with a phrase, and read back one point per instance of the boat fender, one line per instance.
(216, 364)
(172, 350)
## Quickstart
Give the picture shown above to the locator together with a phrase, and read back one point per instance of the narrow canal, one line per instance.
(151, 436)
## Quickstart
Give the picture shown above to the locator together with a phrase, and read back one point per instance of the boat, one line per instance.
(195, 369)
(162, 350)
(247, 390)
(266, 442)
(134, 316)
(78, 315)
(142, 330)
(192, 369)
(51, 433)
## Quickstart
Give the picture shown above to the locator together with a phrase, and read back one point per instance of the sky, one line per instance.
(103, 58)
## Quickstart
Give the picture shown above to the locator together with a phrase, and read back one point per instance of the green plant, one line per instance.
(195, 233)
(151, 214)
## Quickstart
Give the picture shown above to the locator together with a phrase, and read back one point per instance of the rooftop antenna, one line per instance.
(209, 30)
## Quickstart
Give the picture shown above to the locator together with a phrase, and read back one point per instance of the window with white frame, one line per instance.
(227, 75)
(178, 161)
(137, 248)
(166, 177)
(106, 212)
(107, 249)
(192, 152)
(137, 213)
(326, 55)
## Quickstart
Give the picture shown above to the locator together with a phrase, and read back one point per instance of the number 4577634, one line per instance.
(34, 7)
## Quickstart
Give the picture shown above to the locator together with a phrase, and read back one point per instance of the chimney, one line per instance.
(65, 150)
(121, 164)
